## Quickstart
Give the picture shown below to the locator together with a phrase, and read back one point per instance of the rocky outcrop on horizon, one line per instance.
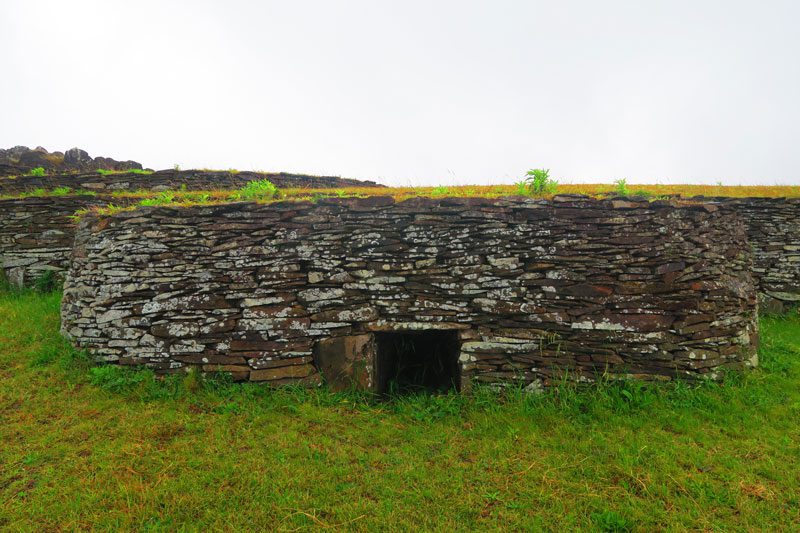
(21, 160)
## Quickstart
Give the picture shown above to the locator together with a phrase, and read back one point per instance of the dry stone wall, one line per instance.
(194, 180)
(36, 235)
(524, 290)
(773, 228)
(44, 242)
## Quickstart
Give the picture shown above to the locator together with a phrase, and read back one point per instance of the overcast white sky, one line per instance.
(413, 92)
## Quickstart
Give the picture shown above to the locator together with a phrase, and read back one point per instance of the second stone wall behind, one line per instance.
(773, 228)
(37, 235)
(172, 179)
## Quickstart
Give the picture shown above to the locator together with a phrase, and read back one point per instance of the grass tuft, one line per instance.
(257, 190)
(539, 182)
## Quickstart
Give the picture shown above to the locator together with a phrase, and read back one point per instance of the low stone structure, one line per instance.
(421, 293)
(773, 228)
(193, 180)
(36, 235)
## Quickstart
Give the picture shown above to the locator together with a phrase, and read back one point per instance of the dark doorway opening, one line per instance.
(419, 361)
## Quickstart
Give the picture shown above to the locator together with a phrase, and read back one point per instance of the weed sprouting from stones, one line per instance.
(258, 190)
(164, 198)
(440, 191)
(539, 182)
(621, 187)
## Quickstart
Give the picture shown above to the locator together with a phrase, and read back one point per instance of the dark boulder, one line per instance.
(20, 160)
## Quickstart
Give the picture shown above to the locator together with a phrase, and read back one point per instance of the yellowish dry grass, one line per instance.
(492, 191)
(126, 200)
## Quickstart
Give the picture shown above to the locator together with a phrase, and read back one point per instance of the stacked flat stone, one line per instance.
(192, 180)
(773, 228)
(36, 235)
(534, 288)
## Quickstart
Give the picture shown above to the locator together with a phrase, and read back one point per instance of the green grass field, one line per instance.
(84, 447)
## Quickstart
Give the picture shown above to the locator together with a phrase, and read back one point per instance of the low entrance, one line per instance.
(418, 361)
